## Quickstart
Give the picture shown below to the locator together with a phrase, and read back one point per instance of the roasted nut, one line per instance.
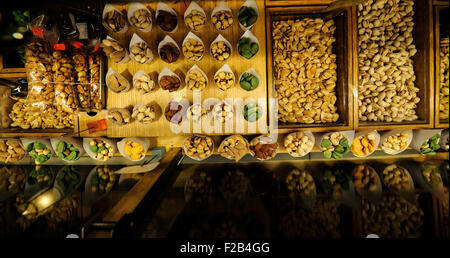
(386, 89)
(119, 116)
(101, 149)
(144, 83)
(141, 19)
(234, 147)
(144, 114)
(117, 82)
(364, 177)
(80, 62)
(443, 81)
(300, 184)
(12, 178)
(174, 112)
(64, 78)
(396, 178)
(262, 149)
(224, 80)
(395, 143)
(170, 83)
(11, 151)
(103, 180)
(298, 144)
(169, 53)
(222, 19)
(222, 112)
(196, 113)
(199, 147)
(167, 21)
(195, 80)
(39, 73)
(114, 21)
(193, 50)
(305, 70)
(140, 52)
(95, 86)
(364, 145)
(195, 20)
(220, 51)
(113, 50)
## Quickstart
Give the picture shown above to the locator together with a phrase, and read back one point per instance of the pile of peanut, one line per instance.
(11, 151)
(298, 144)
(195, 80)
(444, 79)
(193, 50)
(195, 20)
(386, 89)
(305, 70)
(396, 142)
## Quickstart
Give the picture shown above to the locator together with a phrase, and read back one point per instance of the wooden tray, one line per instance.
(439, 6)
(341, 47)
(237, 63)
(423, 69)
(297, 2)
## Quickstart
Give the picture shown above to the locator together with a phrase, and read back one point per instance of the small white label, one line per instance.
(372, 236)
(82, 29)
(72, 236)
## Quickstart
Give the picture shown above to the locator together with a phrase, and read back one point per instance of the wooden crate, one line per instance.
(341, 48)
(237, 63)
(297, 2)
(423, 69)
(438, 7)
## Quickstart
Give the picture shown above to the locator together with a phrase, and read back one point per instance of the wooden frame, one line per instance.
(10, 70)
(270, 3)
(438, 6)
(344, 84)
(423, 67)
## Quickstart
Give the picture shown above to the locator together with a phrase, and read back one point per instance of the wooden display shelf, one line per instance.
(209, 65)
(438, 7)
(423, 69)
(342, 48)
(297, 2)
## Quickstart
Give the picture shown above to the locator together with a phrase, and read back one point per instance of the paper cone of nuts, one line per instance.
(114, 50)
(248, 45)
(166, 18)
(222, 16)
(249, 80)
(169, 80)
(198, 147)
(398, 179)
(41, 146)
(224, 78)
(444, 141)
(263, 147)
(143, 82)
(248, 14)
(117, 82)
(196, 79)
(193, 47)
(114, 20)
(220, 49)
(144, 114)
(133, 148)
(11, 150)
(335, 144)
(140, 17)
(234, 147)
(395, 141)
(70, 153)
(168, 50)
(299, 144)
(365, 143)
(194, 17)
(104, 148)
(140, 51)
(426, 141)
(119, 116)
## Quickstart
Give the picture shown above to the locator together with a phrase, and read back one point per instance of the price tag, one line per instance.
(59, 46)
(38, 32)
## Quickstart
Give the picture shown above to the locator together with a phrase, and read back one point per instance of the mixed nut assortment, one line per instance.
(444, 81)
(167, 21)
(39, 152)
(195, 80)
(199, 147)
(263, 148)
(117, 82)
(233, 147)
(396, 142)
(195, 20)
(364, 145)
(140, 52)
(11, 151)
(101, 149)
(141, 19)
(386, 89)
(196, 113)
(170, 83)
(135, 150)
(113, 50)
(334, 145)
(224, 80)
(298, 144)
(169, 53)
(119, 116)
(364, 177)
(222, 19)
(193, 50)
(114, 20)
(396, 178)
(144, 114)
(144, 83)
(103, 180)
(220, 50)
(305, 70)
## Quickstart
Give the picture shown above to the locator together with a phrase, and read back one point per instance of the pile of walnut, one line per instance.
(386, 89)
(144, 114)
(233, 147)
(198, 147)
(140, 52)
(298, 144)
(11, 151)
(114, 50)
(141, 19)
(305, 70)
(144, 84)
(444, 79)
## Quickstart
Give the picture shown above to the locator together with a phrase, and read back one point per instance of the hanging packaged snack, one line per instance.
(94, 83)
(80, 62)
(64, 79)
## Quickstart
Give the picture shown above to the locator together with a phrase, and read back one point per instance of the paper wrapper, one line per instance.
(126, 58)
(251, 4)
(191, 35)
(112, 71)
(137, 6)
(121, 109)
(92, 197)
(218, 39)
(245, 140)
(409, 195)
(139, 74)
(443, 139)
(193, 157)
(416, 172)
(74, 141)
(264, 140)
(185, 105)
(349, 135)
(144, 142)
(26, 141)
(372, 196)
(86, 145)
(421, 136)
(310, 136)
(252, 72)
(393, 132)
(363, 133)
(225, 68)
(195, 67)
(253, 39)
(222, 6)
(167, 72)
(167, 39)
(165, 7)
(107, 9)
(18, 141)
(194, 6)
(135, 40)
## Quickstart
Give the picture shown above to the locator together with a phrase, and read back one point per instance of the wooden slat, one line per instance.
(438, 123)
(132, 199)
(297, 2)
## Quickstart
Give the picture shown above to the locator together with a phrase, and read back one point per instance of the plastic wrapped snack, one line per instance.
(64, 79)
(80, 62)
(95, 86)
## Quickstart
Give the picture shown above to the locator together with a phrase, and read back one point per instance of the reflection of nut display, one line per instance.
(167, 21)
(430, 174)
(113, 49)
(224, 80)
(103, 180)
(195, 20)
(393, 217)
(222, 112)
(114, 20)
(144, 114)
(306, 94)
(11, 151)
(134, 150)
(445, 213)
(169, 53)
(365, 178)
(396, 178)
(195, 80)
(12, 178)
(395, 142)
(234, 147)
(220, 51)
(386, 88)
(198, 147)
(119, 116)
(263, 150)
(193, 50)
(63, 211)
(235, 186)
(116, 82)
(297, 144)
(174, 112)
(102, 150)
(170, 83)
(300, 183)
(222, 20)
(144, 83)
(141, 19)
(444, 82)
(200, 188)
(196, 113)
(363, 145)
(140, 52)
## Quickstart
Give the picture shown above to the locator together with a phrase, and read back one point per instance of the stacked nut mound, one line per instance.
(11, 151)
(224, 80)
(195, 20)
(300, 183)
(140, 52)
(144, 83)
(193, 50)
(263, 148)
(386, 73)
(220, 50)
(396, 142)
(117, 82)
(233, 147)
(119, 116)
(141, 19)
(396, 178)
(305, 70)
(298, 144)
(170, 83)
(144, 114)
(113, 50)
(444, 79)
(195, 80)
(114, 21)
(196, 113)
(222, 19)
(198, 147)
